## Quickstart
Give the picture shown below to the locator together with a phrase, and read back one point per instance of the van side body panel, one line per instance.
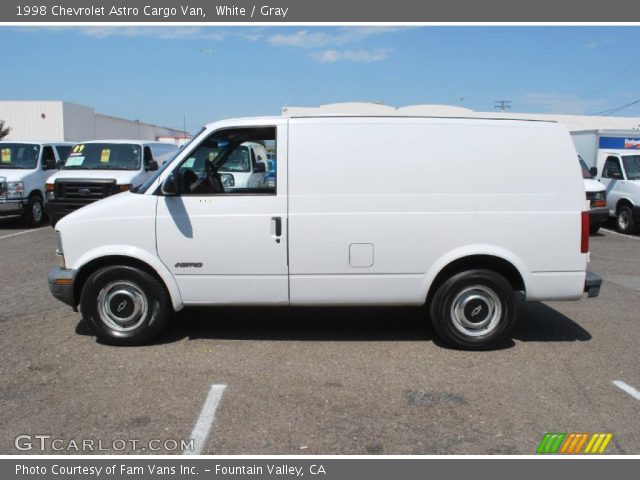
(422, 192)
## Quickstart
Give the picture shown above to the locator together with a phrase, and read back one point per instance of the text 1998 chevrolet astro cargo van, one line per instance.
(344, 224)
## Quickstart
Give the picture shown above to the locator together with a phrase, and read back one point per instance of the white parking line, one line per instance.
(201, 431)
(23, 232)
(620, 234)
(627, 388)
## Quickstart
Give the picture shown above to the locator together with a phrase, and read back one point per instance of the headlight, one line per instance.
(59, 251)
(15, 189)
(50, 192)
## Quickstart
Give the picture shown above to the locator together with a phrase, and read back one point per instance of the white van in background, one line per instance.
(614, 159)
(100, 168)
(596, 196)
(24, 169)
(343, 224)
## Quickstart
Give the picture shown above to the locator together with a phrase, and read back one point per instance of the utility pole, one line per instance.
(502, 105)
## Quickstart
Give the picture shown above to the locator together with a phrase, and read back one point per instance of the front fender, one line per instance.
(138, 254)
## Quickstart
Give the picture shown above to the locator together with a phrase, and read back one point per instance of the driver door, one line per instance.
(227, 247)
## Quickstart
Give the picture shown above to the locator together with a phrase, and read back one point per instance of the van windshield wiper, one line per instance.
(13, 166)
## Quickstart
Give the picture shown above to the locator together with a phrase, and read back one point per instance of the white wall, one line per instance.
(64, 121)
(79, 122)
(34, 120)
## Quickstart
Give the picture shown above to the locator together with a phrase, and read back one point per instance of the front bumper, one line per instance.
(12, 207)
(636, 214)
(61, 285)
(598, 215)
(592, 284)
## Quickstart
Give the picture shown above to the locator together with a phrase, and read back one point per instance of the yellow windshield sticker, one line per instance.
(6, 155)
(104, 155)
(77, 149)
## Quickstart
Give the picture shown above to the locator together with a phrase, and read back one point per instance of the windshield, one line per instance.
(19, 155)
(632, 166)
(585, 170)
(104, 156)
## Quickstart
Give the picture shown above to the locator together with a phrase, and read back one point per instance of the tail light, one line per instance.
(584, 238)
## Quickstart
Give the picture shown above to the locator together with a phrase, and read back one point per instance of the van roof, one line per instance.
(411, 111)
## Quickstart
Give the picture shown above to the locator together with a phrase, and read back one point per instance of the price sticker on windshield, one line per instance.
(6, 155)
(104, 155)
(74, 161)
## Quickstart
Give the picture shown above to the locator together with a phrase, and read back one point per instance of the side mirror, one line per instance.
(169, 187)
(151, 166)
(50, 164)
(259, 167)
(593, 171)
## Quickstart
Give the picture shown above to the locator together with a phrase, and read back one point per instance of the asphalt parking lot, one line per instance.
(317, 381)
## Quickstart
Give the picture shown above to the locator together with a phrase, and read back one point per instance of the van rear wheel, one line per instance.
(126, 305)
(474, 309)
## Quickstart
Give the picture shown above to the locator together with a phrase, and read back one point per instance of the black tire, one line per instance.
(124, 289)
(593, 229)
(474, 291)
(624, 220)
(33, 213)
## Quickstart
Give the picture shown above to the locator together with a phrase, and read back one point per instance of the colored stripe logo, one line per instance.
(574, 443)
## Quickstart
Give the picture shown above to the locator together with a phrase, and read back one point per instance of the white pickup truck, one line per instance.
(24, 169)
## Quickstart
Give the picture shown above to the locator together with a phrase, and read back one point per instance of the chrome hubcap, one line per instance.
(623, 220)
(476, 311)
(36, 211)
(122, 306)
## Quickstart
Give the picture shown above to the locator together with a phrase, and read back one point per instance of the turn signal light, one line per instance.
(125, 187)
(63, 281)
(49, 187)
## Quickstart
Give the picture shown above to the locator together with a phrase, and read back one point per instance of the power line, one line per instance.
(608, 112)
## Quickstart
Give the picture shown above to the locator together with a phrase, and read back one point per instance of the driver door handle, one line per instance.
(277, 227)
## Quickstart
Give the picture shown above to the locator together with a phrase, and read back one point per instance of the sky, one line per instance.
(164, 75)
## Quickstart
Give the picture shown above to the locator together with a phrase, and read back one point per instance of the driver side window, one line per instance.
(612, 168)
(237, 161)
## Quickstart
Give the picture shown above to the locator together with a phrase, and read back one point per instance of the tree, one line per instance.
(4, 131)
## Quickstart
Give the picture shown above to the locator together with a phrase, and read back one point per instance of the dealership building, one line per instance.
(64, 121)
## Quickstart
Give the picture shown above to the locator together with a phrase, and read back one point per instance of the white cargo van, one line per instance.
(343, 224)
(614, 158)
(100, 168)
(24, 169)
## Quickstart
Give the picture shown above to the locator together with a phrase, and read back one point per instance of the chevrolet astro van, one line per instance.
(343, 224)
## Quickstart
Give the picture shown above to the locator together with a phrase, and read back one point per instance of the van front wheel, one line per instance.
(126, 305)
(475, 309)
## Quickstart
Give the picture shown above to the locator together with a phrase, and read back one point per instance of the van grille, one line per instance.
(84, 191)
